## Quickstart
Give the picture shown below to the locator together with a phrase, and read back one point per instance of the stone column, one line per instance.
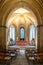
(2, 37)
(26, 32)
(40, 38)
(29, 34)
(17, 34)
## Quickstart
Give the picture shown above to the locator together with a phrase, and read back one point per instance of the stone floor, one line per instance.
(21, 60)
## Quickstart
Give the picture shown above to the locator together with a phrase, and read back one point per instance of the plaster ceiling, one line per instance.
(12, 4)
(21, 16)
(2, 2)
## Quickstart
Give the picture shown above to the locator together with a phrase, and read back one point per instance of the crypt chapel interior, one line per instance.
(21, 32)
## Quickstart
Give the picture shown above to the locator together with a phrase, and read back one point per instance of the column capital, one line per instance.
(40, 26)
(3, 26)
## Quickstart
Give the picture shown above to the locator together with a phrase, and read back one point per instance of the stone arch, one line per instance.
(7, 34)
(8, 7)
(21, 25)
(22, 37)
(17, 5)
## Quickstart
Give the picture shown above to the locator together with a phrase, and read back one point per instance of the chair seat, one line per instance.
(12, 54)
(31, 58)
(7, 58)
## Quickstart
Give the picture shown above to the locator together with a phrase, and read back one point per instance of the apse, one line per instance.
(21, 19)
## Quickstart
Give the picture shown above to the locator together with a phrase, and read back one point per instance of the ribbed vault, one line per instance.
(21, 16)
(7, 6)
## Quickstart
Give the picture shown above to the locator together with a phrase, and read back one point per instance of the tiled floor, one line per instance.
(20, 60)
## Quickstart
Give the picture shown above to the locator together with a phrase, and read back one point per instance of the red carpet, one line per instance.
(21, 43)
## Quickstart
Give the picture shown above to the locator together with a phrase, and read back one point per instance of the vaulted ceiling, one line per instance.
(2, 2)
(21, 16)
(6, 6)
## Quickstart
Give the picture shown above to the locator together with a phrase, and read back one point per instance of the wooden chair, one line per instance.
(4, 58)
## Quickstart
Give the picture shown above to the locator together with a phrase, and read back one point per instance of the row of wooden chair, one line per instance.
(6, 56)
(34, 56)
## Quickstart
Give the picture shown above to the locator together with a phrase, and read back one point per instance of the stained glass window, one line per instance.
(12, 33)
(32, 32)
(21, 33)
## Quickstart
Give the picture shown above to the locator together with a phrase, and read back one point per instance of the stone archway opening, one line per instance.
(22, 16)
(22, 32)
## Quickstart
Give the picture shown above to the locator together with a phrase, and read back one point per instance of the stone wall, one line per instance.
(2, 37)
(40, 37)
(7, 6)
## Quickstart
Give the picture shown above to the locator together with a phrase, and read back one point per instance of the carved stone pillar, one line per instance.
(17, 34)
(40, 38)
(2, 37)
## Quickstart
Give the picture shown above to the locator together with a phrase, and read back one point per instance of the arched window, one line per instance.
(32, 32)
(12, 33)
(21, 33)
